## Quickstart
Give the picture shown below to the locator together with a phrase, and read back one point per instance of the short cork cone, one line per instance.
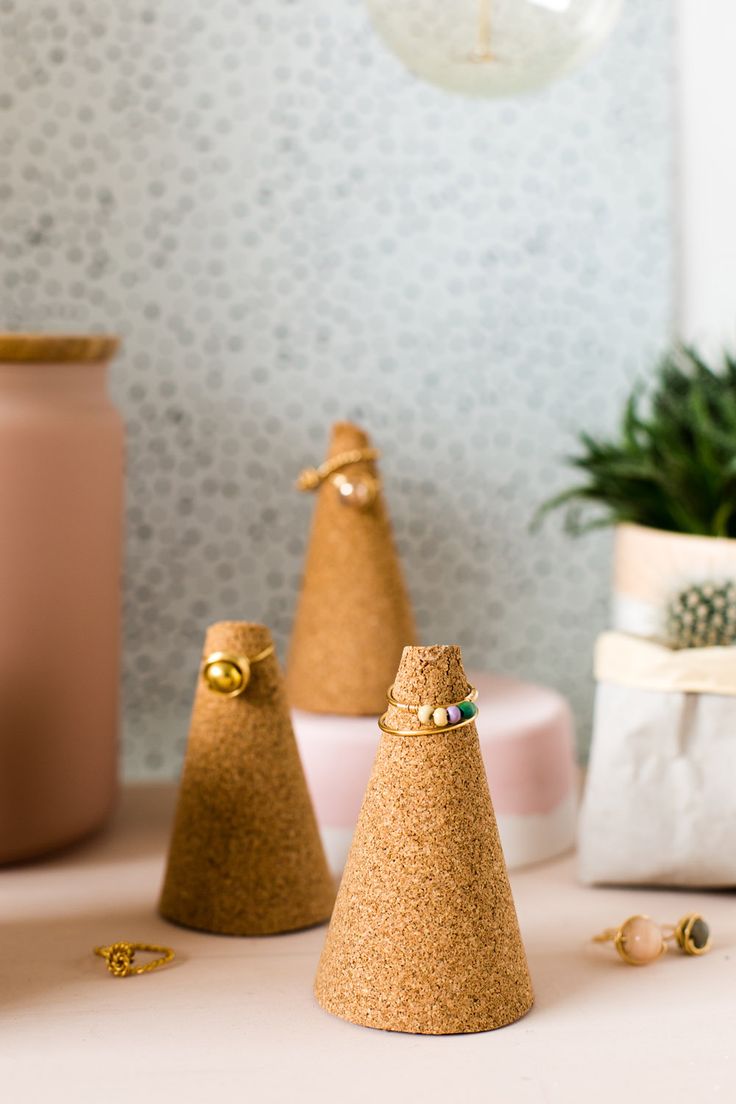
(424, 936)
(353, 616)
(246, 856)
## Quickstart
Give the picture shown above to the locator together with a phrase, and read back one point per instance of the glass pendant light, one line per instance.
(493, 47)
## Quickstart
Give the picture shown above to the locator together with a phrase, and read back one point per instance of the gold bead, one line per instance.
(224, 675)
(308, 480)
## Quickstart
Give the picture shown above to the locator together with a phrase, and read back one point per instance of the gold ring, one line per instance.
(441, 717)
(692, 935)
(120, 957)
(385, 727)
(312, 478)
(640, 940)
(229, 675)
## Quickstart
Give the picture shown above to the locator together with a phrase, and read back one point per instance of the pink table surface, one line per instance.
(234, 1019)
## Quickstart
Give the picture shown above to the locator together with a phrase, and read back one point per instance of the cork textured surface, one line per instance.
(353, 617)
(424, 937)
(245, 856)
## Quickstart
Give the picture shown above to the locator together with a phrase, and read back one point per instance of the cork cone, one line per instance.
(424, 935)
(246, 856)
(353, 616)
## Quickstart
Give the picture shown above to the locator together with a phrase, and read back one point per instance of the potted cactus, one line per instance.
(658, 805)
(667, 482)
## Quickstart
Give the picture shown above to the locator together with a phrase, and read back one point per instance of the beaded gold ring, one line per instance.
(312, 478)
(433, 718)
(360, 492)
(229, 675)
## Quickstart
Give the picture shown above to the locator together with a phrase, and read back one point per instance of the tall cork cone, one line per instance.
(246, 856)
(353, 616)
(424, 935)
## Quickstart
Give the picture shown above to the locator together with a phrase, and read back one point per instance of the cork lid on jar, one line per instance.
(36, 348)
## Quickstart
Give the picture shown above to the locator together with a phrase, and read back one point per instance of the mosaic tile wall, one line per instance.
(289, 229)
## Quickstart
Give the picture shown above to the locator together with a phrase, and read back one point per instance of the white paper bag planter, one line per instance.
(660, 800)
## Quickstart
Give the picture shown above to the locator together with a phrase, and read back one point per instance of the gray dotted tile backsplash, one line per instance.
(287, 229)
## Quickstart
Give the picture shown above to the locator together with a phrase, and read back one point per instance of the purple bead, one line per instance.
(453, 714)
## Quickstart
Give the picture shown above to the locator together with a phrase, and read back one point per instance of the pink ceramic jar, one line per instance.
(61, 502)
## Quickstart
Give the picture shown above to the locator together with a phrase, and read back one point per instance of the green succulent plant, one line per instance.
(672, 464)
(703, 615)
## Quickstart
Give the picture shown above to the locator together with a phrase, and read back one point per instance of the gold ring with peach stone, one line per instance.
(641, 940)
(359, 492)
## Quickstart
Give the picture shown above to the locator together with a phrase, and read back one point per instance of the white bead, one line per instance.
(424, 713)
(440, 717)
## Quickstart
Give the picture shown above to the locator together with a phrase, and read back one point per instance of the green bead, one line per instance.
(468, 710)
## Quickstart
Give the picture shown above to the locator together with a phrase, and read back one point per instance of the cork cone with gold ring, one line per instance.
(246, 856)
(354, 616)
(424, 936)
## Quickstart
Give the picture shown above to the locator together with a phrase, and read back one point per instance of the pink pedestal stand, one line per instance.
(527, 740)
